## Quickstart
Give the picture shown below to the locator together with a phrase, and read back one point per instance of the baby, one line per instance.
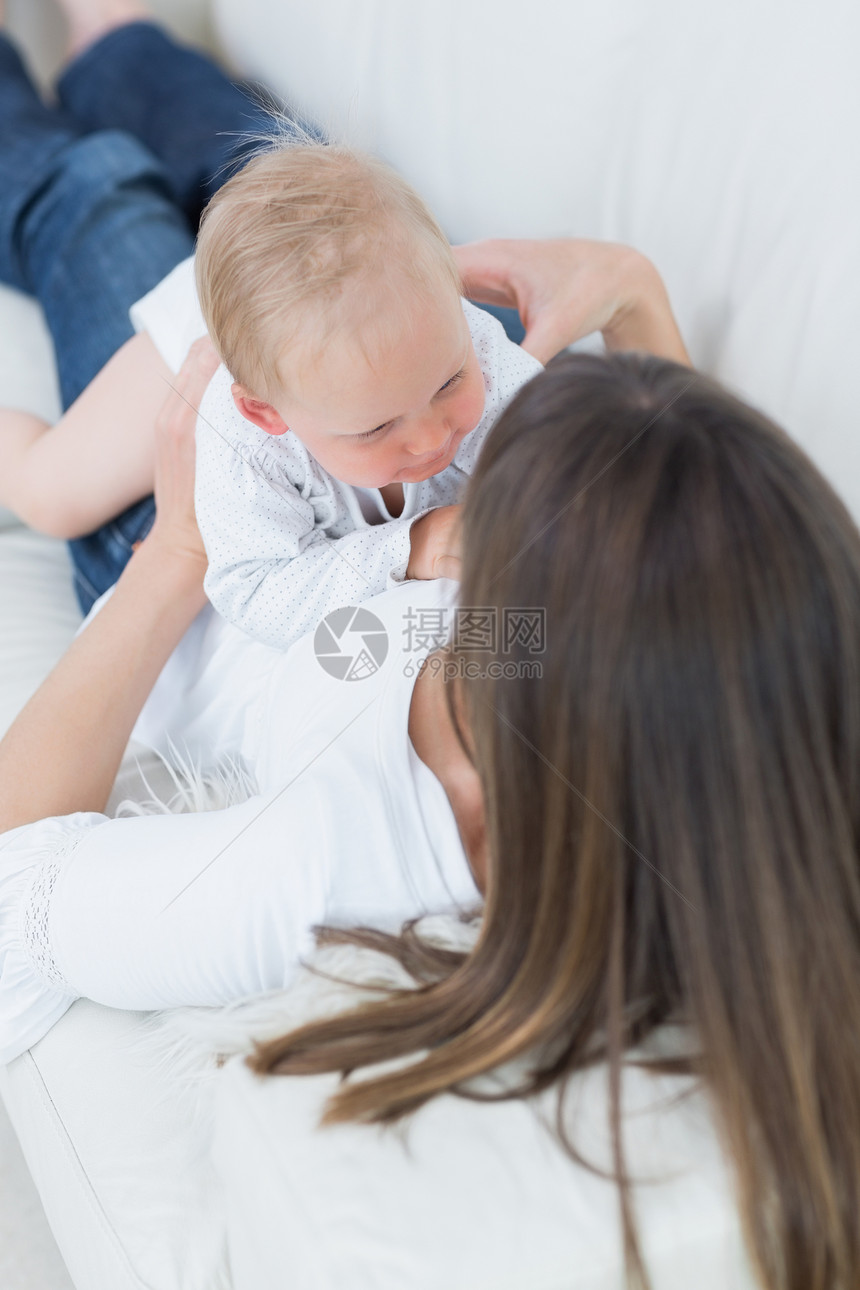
(356, 389)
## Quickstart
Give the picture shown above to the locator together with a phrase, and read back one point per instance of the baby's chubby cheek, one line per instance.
(363, 466)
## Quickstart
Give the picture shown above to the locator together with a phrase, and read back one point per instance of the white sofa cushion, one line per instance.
(108, 1135)
(39, 614)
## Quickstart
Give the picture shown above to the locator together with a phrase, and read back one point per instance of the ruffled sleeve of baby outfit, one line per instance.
(33, 992)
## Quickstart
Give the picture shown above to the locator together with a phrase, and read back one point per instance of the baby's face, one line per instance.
(397, 416)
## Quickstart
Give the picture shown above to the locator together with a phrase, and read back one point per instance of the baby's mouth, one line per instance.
(434, 461)
(429, 467)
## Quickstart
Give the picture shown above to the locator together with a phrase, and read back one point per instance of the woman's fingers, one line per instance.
(564, 288)
(174, 448)
(485, 270)
(178, 413)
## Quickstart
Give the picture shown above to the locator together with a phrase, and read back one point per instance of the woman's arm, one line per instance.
(566, 288)
(63, 751)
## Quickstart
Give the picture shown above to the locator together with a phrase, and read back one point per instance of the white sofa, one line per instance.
(718, 138)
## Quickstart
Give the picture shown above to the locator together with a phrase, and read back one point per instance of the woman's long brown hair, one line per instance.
(671, 808)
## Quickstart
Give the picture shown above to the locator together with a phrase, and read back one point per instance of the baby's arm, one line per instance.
(68, 479)
(279, 599)
(274, 570)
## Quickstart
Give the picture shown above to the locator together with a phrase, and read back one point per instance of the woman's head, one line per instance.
(699, 697)
(672, 805)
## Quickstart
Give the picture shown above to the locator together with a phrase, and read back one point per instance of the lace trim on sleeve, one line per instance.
(35, 931)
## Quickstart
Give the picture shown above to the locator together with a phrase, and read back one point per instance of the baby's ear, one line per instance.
(257, 410)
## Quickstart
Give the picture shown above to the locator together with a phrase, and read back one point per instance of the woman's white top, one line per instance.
(348, 827)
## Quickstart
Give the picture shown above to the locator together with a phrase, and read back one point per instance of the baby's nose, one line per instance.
(428, 438)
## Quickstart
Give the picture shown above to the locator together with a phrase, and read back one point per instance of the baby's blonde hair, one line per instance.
(282, 241)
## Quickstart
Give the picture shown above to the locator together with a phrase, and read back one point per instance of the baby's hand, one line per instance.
(435, 542)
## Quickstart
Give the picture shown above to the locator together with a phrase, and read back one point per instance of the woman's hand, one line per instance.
(63, 751)
(566, 288)
(175, 528)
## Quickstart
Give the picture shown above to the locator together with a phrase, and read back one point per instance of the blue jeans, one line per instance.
(100, 198)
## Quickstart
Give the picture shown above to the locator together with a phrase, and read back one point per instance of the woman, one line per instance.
(664, 822)
(671, 812)
(671, 815)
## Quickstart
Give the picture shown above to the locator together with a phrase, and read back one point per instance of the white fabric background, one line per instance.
(719, 138)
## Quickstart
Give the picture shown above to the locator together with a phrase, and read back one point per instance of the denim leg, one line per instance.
(33, 138)
(100, 232)
(103, 234)
(88, 226)
(99, 236)
(99, 558)
(179, 103)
